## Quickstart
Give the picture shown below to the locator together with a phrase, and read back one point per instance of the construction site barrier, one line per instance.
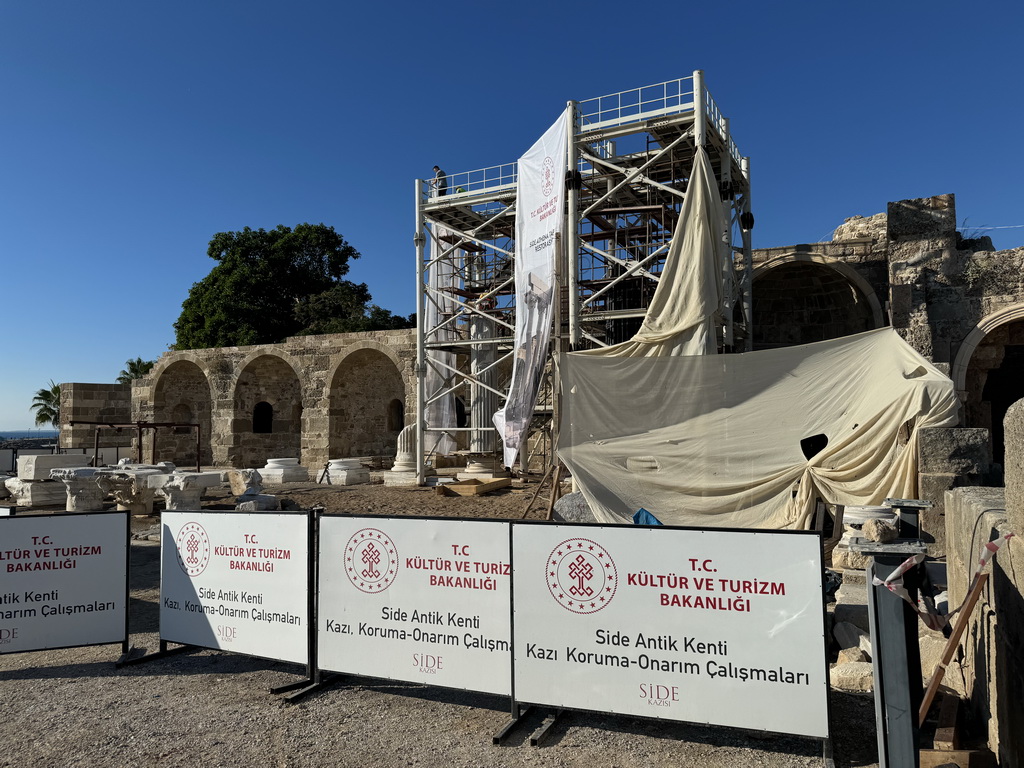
(63, 581)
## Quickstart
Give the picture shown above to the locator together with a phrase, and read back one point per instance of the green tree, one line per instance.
(250, 296)
(46, 404)
(135, 369)
(345, 308)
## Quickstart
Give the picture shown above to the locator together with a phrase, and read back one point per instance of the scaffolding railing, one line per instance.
(466, 184)
(614, 109)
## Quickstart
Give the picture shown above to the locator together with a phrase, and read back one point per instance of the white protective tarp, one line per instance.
(540, 203)
(715, 441)
(679, 320)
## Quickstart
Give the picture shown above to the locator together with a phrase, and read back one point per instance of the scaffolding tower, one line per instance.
(632, 154)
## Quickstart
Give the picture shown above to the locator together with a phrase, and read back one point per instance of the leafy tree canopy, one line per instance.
(135, 369)
(269, 285)
(46, 404)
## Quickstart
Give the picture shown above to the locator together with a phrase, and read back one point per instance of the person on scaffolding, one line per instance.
(440, 183)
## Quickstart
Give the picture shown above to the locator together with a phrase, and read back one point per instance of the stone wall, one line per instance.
(109, 403)
(311, 397)
(818, 291)
(988, 668)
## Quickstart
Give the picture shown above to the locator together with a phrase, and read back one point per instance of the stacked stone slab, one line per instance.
(37, 468)
(33, 486)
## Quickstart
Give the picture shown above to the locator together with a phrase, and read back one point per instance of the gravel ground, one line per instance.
(74, 708)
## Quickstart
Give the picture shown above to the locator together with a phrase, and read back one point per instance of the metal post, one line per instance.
(572, 228)
(748, 263)
(699, 109)
(729, 272)
(419, 239)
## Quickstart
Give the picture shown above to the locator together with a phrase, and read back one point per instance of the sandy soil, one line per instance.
(74, 708)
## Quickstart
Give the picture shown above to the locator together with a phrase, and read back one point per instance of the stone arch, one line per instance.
(988, 372)
(800, 298)
(269, 378)
(362, 390)
(181, 393)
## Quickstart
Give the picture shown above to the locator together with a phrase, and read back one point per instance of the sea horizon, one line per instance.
(25, 434)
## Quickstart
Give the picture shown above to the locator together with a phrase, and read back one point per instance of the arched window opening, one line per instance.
(182, 414)
(263, 418)
(396, 416)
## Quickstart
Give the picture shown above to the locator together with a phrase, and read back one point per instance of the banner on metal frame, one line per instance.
(63, 581)
(540, 203)
(424, 601)
(703, 626)
(236, 582)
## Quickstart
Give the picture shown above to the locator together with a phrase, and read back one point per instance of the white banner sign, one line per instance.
(423, 601)
(717, 627)
(63, 581)
(540, 213)
(236, 582)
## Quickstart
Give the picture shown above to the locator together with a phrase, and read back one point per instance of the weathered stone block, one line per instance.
(900, 304)
(852, 656)
(573, 508)
(37, 493)
(1013, 464)
(38, 467)
(922, 217)
(853, 613)
(855, 676)
(954, 451)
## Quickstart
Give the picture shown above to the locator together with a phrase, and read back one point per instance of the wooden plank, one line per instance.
(477, 488)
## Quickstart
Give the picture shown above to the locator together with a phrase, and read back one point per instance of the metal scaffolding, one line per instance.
(632, 153)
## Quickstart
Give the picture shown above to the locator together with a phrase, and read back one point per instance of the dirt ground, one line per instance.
(75, 708)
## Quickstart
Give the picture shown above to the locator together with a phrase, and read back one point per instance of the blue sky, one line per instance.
(131, 132)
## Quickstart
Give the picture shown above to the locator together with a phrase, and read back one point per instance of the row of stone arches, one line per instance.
(267, 405)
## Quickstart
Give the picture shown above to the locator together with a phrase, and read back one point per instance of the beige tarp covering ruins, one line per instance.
(706, 440)
(715, 440)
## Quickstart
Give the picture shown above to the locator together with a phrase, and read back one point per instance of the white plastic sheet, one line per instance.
(715, 441)
(540, 200)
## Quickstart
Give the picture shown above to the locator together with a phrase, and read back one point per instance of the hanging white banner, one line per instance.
(540, 195)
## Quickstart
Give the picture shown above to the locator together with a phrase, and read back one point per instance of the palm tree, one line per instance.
(135, 369)
(46, 404)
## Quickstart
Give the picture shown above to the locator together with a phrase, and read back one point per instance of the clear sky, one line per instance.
(131, 132)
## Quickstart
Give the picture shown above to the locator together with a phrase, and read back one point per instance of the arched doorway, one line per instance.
(989, 374)
(182, 395)
(367, 397)
(803, 299)
(267, 413)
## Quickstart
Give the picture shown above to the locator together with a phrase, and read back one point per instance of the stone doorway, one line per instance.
(182, 394)
(994, 381)
(267, 419)
(367, 406)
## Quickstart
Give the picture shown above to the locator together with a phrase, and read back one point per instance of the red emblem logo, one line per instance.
(193, 547)
(371, 560)
(581, 576)
(547, 176)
